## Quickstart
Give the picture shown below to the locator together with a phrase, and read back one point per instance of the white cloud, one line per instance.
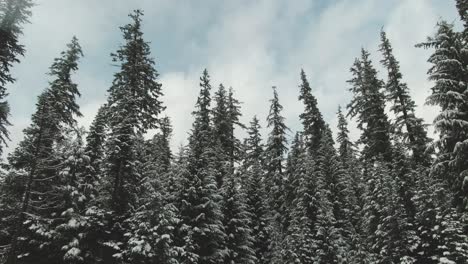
(249, 45)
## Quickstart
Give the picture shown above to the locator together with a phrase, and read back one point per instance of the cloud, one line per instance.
(249, 45)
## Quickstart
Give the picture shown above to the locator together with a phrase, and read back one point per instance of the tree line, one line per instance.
(110, 195)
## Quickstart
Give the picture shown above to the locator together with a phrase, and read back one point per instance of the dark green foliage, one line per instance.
(13, 13)
(311, 117)
(239, 240)
(407, 125)
(133, 107)
(201, 227)
(274, 153)
(37, 160)
(449, 72)
(368, 105)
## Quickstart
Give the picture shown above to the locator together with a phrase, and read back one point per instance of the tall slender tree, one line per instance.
(56, 109)
(368, 104)
(311, 118)
(201, 231)
(449, 72)
(407, 125)
(275, 150)
(13, 14)
(133, 106)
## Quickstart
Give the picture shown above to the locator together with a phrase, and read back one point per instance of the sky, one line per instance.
(248, 45)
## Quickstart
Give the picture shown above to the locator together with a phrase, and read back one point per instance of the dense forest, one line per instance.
(111, 194)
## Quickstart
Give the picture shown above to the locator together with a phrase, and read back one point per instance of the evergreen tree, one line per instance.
(133, 107)
(259, 213)
(356, 184)
(339, 194)
(449, 72)
(159, 147)
(346, 146)
(407, 125)
(13, 13)
(201, 230)
(95, 141)
(233, 106)
(368, 104)
(239, 241)
(388, 233)
(254, 148)
(299, 240)
(35, 155)
(274, 153)
(440, 232)
(311, 118)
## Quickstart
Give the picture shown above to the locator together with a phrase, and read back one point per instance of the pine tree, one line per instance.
(311, 118)
(201, 230)
(159, 147)
(56, 109)
(356, 184)
(220, 120)
(291, 183)
(13, 13)
(254, 148)
(259, 213)
(407, 125)
(95, 141)
(368, 104)
(388, 231)
(233, 106)
(133, 107)
(440, 232)
(449, 73)
(239, 240)
(346, 146)
(300, 240)
(274, 153)
(339, 194)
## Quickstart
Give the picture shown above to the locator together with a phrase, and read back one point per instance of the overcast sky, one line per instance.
(249, 45)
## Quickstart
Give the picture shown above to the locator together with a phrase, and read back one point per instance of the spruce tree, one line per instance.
(259, 213)
(95, 141)
(233, 106)
(352, 167)
(35, 157)
(407, 125)
(311, 118)
(299, 242)
(449, 72)
(440, 232)
(346, 146)
(254, 148)
(338, 193)
(239, 240)
(275, 150)
(133, 106)
(13, 13)
(201, 230)
(159, 147)
(368, 105)
(388, 232)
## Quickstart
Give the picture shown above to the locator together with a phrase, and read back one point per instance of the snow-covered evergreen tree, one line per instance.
(368, 105)
(35, 157)
(407, 126)
(274, 152)
(13, 13)
(133, 107)
(201, 229)
(449, 72)
(311, 118)
(239, 240)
